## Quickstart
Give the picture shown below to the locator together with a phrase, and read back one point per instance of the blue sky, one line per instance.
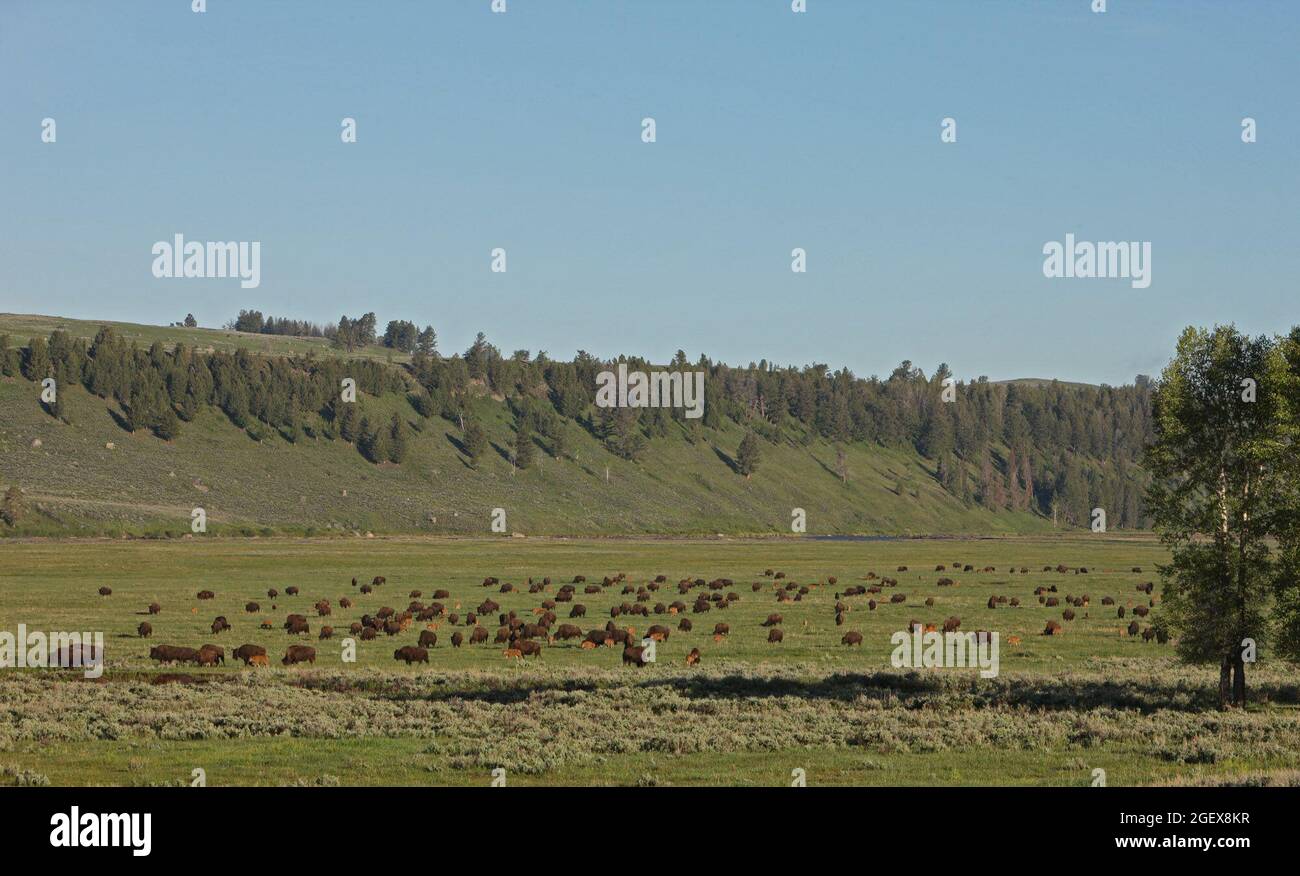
(775, 130)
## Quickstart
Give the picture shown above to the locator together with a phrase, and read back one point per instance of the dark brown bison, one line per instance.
(567, 631)
(456, 639)
(206, 594)
(145, 630)
(411, 654)
(478, 635)
(326, 632)
(252, 607)
(106, 591)
(299, 654)
(428, 638)
(1053, 628)
(775, 635)
(154, 608)
(772, 620)
(245, 652)
(211, 655)
(291, 591)
(173, 654)
(852, 637)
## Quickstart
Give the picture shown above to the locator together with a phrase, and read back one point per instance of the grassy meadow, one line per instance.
(749, 713)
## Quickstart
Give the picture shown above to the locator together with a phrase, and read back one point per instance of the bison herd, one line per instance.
(521, 634)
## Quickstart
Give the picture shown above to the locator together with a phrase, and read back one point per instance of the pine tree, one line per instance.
(747, 456)
(523, 451)
(397, 443)
(475, 440)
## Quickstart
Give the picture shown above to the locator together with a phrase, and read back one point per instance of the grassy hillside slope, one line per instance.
(95, 478)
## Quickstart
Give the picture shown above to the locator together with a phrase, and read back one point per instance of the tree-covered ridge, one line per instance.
(1058, 450)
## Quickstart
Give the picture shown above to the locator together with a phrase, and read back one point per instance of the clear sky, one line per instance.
(775, 130)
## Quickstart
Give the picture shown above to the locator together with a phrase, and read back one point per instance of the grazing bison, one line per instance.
(1053, 628)
(773, 620)
(951, 624)
(411, 654)
(1068, 614)
(567, 631)
(145, 630)
(173, 654)
(299, 654)
(721, 629)
(345, 602)
(252, 607)
(246, 652)
(1133, 628)
(852, 637)
(273, 593)
(634, 655)
(326, 632)
(206, 594)
(154, 608)
(428, 638)
(106, 591)
(478, 635)
(295, 623)
(456, 638)
(528, 648)
(291, 591)
(1141, 610)
(211, 655)
(775, 635)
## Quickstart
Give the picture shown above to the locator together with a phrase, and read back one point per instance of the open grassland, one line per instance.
(750, 713)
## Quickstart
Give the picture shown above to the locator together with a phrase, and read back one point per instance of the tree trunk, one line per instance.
(1239, 681)
(1225, 682)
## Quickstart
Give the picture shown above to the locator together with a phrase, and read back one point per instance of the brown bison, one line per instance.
(173, 654)
(106, 591)
(211, 655)
(1053, 628)
(145, 630)
(299, 654)
(219, 624)
(246, 652)
(456, 639)
(775, 635)
(773, 620)
(411, 654)
(206, 594)
(428, 638)
(852, 637)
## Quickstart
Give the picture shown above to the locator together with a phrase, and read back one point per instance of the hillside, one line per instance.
(85, 472)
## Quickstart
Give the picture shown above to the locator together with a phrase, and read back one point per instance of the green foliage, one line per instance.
(1223, 487)
(12, 506)
(748, 455)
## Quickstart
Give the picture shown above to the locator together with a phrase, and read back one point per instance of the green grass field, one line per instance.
(750, 713)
